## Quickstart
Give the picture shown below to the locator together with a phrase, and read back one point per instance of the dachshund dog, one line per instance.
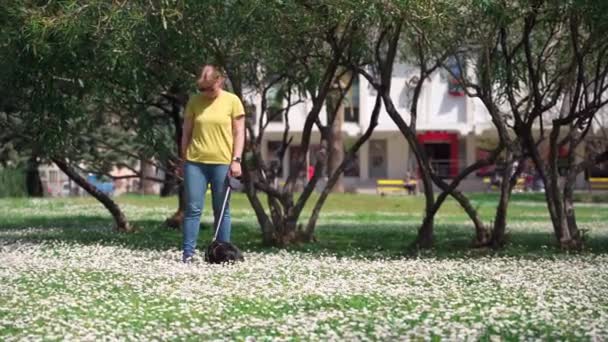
(219, 252)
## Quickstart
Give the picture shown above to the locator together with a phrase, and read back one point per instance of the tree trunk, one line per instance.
(279, 226)
(307, 235)
(176, 220)
(290, 233)
(425, 238)
(554, 193)
(576, 239)
(170, 184)
(482, 236)
(481, 233)
(334, 177)
(500, 219)
(336, 142)
(549, 178)
(268, 238)
(147, 185)
(32, 178)
(425, 232)
(120, 220)
(250, 176)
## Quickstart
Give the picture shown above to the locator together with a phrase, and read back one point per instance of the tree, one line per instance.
(317, 66)
(301, 59)
(48, 78)
(542, 68)
(416, 34)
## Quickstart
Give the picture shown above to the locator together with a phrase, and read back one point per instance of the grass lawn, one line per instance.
(64, 275)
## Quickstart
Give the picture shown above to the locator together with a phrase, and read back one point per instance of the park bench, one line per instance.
(598, 183)
(394, 186)
(519, 186)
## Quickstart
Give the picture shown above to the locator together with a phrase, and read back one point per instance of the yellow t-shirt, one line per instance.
(212, 138)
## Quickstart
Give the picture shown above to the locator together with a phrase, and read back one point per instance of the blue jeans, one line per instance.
(196, 178)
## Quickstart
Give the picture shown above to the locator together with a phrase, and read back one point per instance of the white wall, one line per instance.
(444, 108)
(437, 109)
(398, 151)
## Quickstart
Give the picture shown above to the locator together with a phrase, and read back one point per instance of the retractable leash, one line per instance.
(219, 220)
(227, 251)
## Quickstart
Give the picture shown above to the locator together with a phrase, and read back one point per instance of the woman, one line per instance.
(212, 145)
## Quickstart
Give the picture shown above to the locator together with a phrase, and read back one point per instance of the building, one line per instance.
(455, 130)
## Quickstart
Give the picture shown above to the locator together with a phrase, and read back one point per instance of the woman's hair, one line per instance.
(210, 74)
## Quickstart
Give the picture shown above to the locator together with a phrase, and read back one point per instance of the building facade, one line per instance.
(455, 131)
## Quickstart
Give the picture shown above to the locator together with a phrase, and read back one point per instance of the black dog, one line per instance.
(222, 252)
(219, 252)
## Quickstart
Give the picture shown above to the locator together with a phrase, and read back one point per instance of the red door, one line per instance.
(442, 157)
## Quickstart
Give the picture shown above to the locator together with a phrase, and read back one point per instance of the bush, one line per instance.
(12, 182)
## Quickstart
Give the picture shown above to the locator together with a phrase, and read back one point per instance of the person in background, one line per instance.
(311, 172)
(410, 184)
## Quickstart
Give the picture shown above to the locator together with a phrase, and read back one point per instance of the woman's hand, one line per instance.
(179, 168)
(235, 169)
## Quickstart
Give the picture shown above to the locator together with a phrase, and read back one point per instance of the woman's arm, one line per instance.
(238, 133)
(186, 138)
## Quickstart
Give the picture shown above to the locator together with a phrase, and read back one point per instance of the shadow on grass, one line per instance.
(362, 240)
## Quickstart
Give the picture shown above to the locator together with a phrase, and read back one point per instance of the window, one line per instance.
(53, 176)
(351, 108)
(352, 168)
(440, 157)
(456, 66)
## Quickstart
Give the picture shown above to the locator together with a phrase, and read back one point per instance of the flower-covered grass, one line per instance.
(64, 275)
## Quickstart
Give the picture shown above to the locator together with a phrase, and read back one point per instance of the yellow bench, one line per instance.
(392, 186)
(519, 186)
(598, 183)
